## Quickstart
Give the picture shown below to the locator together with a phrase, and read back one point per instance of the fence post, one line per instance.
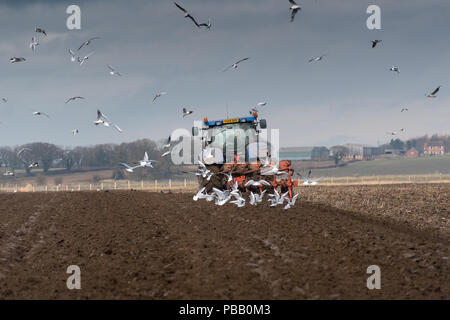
(142, 184)
(90, 187)
(170, 184)
(46, 188)
(129, 186)
(115, 185)
(33, 188)
(347, 180)
(156, 184)
(79, 187)
(185, 184)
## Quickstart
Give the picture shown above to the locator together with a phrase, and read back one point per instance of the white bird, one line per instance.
(199, 195)
(112, 71)
(252, 199)
(75, 131)
(158, 95)
(239, 202)
(315, 59)
(72, 56)
(276, 198)
(433, 94)
(222, 197)
(128, 168)
(404, 110)
(102, 119)
(73, 99)
(186, 14)
(146, 162)
(229, 175)
(4, 100)
(34, 43)
(260, 183)
(40, 30)
(85, 58)
(235, 65)
(33, 165)
(273, 171)
(186, 113)
(294, 9)
(392, 133)
(14, 60)
(8, 173)
(19, 153)
(290, 203)
(375, 42)
(39, 113)
(88, 42)
(166, 153)
(308, 182)
(169, 141)
(259, 197)
(394, 69)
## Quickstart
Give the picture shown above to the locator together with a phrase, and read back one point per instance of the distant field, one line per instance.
(379, 167)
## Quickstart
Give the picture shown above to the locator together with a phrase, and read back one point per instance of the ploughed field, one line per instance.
(140, 245)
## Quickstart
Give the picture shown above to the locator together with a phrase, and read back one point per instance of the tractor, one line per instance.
(234, 150)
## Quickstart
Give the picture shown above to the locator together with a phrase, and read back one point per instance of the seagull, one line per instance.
(72, 56)
(4, 100)
(128, 168)
(375, 42)
(402, 130)
(33, 165)
(8, 173)
(158, 95)
(40, 30)
(394, 69)
(404, 110)
(73, 99)
(433, 94)
(315, 59)
(82, 60)
(34, 43)
(307, 182)
(75, 131)
(113, 72)
(19, 153)
(39, 113)
(259, 197)
(186, 14)
(239, 202)
(392, 133)
(259, 183)
(252, 199)
(169, 140)
(235, 65)
(207, 25)
(102, 119)
(273, 171)
(14, 60)
(146, 162)
(88, 42)
(290, 203)
(222, 197)
(294, 9)
(229, 175)
(276, 199)
(166, 153)
(186, 113)
(199, 195)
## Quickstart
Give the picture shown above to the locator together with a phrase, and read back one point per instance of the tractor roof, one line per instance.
(229, 121)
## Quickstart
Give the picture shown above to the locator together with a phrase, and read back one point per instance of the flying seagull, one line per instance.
(72, 55)
(394, 69)
(73, 99)
(112, 71)
(102, 119)
(75, 132)
(166, 153)
(206, 25)
(404, 110)
(82, 60)
(158, 95)
(315, 59)
(34, 43)
(235, 65)
(88, 42)
(33, 165)
(40, 30)
(4, 100)
(186, 113)
(433, 94)
(186, 14)
(14, 60)
(128, 168)
(375, 42)
(294, 9)
(39, 113)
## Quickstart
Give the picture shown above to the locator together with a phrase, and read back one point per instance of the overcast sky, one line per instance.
(350, 96)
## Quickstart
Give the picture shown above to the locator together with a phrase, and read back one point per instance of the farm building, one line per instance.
(434, 148)
(412, 153)
(359, 151)
(304, 153)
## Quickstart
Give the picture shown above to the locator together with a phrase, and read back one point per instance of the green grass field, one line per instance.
(400, 166)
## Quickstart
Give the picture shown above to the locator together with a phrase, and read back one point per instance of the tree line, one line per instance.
(102, 156)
